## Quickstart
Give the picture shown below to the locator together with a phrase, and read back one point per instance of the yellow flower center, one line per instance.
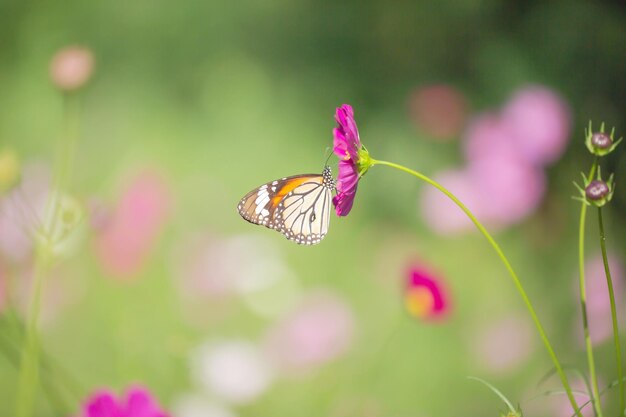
(419, 302)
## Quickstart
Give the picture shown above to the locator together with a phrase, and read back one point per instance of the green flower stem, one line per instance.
(609, 282)
(10, 349)
(595, 391)
(516, 280)
(28, 379)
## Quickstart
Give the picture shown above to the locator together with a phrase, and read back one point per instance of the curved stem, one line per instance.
(505, 261)
(595, 392)
(609, 282)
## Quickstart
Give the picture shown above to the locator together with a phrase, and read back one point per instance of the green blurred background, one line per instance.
(221, 96)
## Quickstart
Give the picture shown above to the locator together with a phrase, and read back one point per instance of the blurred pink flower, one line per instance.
(138, 402)
(441, 214)
(71, 67)
(598, 304)
(317, 331)
(439, 110)
(426, 297)
(503, 345)
(561, 407)
(539, 122)
(509, 189)
(141, 213)
(235, 371)
(488, 137)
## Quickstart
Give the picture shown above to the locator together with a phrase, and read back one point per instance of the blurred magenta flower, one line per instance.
(598, 304)
(425, 295)
(137, 402)
(539, 122)
(317, 331)
(347, 145)
(71, 67)
(502, 345)
(135, 224)
(439, 110)
(236, 371)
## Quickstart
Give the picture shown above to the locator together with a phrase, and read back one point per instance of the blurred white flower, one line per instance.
(318, 330)
(21, 213)
(235, 371)
(248, 266)
(194, 405)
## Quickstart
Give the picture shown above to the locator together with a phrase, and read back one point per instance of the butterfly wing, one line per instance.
(298, 207)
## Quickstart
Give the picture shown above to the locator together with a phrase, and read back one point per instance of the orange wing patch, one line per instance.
(291, 185)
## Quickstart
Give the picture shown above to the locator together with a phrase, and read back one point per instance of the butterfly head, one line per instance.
(328, 180)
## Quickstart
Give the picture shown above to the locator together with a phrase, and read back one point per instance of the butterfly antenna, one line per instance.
(329, 155)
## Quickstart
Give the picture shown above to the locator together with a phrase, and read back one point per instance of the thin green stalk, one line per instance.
(28, 379)
(595, 391)
(609, 282)
(505, 261)
(10, 349)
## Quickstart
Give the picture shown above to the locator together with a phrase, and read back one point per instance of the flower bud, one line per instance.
(601, 143)
(601, 140)
(596, 190)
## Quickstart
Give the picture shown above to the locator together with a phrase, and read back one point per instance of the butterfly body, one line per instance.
(299, 207)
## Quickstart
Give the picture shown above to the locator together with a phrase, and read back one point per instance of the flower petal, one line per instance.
(347, 178)
(346, 134)
(140, 403)
(102, 404)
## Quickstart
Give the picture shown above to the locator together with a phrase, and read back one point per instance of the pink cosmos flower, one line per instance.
(441, 214)
(439, 110)
(124, 244)
(346, 146)
(510, 189)
(426, 297)
(138, 402)
(488, 137)
(71, 67)
(539, 122)
(317, 331)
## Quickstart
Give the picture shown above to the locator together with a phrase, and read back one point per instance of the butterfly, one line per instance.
(299, 207)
